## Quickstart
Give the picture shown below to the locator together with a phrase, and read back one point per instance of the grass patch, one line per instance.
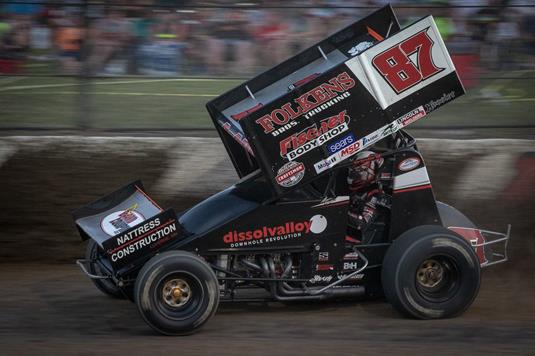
(50, 102)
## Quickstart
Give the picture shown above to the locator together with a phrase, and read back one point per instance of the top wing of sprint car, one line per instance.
(296, 124)
(352, 89)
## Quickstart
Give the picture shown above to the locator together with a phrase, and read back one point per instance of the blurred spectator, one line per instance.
(319, 21)
(271, 39)
(162, 52)
(527, 28)
(484, 24)
(14, 45)
(444, 19)
(140, 29)
(41, 35)
(196, 39)
(507, 32)
(4, 26)
(151, 37)
(69, 37)
(229, 47)
(109, 36)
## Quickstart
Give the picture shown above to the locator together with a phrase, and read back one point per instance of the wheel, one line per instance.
(453, 217)
(106, 286)
(430, 272)
(176, 292)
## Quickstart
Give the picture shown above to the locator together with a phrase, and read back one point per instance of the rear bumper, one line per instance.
(84, 266)
(490, 246)
(494, 246)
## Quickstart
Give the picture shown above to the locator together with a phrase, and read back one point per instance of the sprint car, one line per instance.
(290, 229)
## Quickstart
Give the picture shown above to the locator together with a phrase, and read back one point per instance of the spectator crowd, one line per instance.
(154, 37)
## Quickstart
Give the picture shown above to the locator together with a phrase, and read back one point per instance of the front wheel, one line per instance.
(176, 292)
(430, 272)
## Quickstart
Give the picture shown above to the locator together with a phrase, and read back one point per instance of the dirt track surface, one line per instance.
(54, 309)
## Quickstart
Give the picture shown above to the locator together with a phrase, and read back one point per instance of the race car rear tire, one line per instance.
(106, 286)
(429, 272)
(176, 292)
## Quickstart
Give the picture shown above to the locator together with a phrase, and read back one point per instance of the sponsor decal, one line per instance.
(409, 164)
(267, 234)
(238, 136)
(408, 62)
(121, 220)
(318, 224)
(290, 174)
(339, 156)
(320, 279)
(326, 163)
(350, 266)
(288, 228)
(324, 267)
(379, 134)
(411, 116)
(389, 129)
(327, 105)
(433, 104)
(416, 179)
(358, 276)
(343, 142)
(350, 150)
(151, 234)
(359, 48)
(356, 147)
(310, 103)
(352, 256)
(323, 256)
(339, 200)
(371, 138)
(314, 136)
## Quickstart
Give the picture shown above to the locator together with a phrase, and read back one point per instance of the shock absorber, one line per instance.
(222, 262)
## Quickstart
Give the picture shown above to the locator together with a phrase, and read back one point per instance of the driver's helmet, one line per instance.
(364, 169)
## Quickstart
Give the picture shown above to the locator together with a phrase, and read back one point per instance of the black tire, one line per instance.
(429, 272)
(106, 286)
(453, 217)
(187, 275)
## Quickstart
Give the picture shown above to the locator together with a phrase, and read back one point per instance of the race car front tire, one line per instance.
(106, 286)
(176, 292)
(429, 272)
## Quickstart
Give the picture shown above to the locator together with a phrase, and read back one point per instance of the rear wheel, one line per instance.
(430, 272)
(176, 292)
(106, 286)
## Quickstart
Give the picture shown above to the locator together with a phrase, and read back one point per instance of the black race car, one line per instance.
(334, 199)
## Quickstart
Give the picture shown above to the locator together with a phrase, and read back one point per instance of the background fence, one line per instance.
(153, 64)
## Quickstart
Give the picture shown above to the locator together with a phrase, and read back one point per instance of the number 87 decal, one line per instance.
(399, 70)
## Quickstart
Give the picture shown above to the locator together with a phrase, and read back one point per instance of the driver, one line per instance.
(365, 191)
